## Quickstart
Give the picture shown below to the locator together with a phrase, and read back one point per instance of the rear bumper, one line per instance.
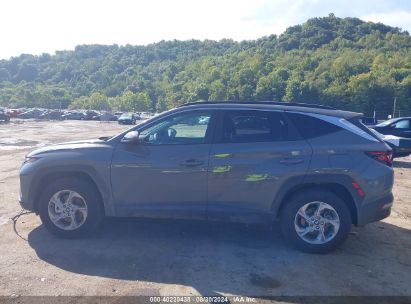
(375, 211)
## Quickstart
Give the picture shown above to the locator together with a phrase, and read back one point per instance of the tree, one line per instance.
(343, 62)
(4, 75)
(97, 101)
(132, 102)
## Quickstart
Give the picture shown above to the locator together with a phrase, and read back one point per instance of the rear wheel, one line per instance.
(70, 208)
(315, 221)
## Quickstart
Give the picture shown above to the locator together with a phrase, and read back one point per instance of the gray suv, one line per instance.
(316, 169)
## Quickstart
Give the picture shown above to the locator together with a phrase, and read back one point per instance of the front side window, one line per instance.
(190, 128)
(253, 126)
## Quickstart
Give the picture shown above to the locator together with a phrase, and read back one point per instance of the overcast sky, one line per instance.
(37, 26)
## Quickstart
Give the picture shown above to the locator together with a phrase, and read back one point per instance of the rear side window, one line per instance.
(253, 126)
(311, 127)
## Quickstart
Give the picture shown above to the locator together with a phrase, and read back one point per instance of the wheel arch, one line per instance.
(340, 188)
(58, 173)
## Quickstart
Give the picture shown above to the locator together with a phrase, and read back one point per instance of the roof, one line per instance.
(283, 106)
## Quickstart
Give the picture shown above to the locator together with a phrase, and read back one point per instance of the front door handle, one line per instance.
(192, 163)
(291, 161)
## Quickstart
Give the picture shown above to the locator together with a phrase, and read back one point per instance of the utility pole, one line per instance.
(393, 110)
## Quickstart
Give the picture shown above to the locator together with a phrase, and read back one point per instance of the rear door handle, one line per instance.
(192, 163)
(291, 161)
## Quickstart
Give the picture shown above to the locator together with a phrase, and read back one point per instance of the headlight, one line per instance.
(30, 159)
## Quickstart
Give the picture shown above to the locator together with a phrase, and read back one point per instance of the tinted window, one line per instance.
(253, 126)
(310, 127)
(179, 129)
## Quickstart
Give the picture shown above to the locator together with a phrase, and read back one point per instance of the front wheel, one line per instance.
(70, 208)
(315, 221)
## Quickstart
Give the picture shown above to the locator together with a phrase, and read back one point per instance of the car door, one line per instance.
(402, 128)
(165, 173)
(254, 154)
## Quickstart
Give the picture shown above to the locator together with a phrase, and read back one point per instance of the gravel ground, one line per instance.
(159, 257)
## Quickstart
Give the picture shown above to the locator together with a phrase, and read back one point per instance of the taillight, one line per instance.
(384, 157)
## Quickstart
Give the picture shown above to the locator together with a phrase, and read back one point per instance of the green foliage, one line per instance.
(131, 102)
(346, 63)
(96, 101)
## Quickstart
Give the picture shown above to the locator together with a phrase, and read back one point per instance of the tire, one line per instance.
(323, 236)
(86, 195)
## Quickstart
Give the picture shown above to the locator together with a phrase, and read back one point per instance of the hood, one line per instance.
(69, 146)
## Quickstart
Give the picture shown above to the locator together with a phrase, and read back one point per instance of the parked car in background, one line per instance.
(4, 116)
(143, 115)
(33, 113)
(74, 116)
(91, 115)
(13, 113)
(127, 119)
(400, 127)
(118, 114)
(52, 115)
(317, 170)
(401, 146)
(106, 116)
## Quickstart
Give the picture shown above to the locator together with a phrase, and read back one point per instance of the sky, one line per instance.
(44, 26)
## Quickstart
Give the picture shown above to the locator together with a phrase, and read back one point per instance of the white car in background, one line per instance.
(401, 147)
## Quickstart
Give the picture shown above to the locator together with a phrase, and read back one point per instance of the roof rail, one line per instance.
(291, 104)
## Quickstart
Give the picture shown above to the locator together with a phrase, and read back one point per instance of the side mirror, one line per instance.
(131, 137)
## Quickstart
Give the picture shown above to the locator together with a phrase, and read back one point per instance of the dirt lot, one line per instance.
(143, 257)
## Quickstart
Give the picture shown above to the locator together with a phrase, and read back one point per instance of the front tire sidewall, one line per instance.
(291, 208)
(87, 191)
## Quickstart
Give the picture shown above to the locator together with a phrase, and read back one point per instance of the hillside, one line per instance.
(347, 63)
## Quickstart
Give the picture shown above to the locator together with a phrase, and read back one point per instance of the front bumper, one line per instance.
(26, 206)
(375, 211)
(26, 202)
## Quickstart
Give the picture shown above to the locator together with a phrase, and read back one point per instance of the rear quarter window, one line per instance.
(358, 123)
(311, 127)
